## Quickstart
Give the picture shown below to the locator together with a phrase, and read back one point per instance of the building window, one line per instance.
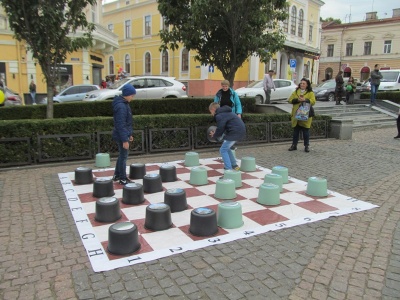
(164, 24)
(147, 63)
(94, 13)
(111, 65)
(127, 63)
(367, 48)
(185, 60)
(293, 21)
(286, 22)
(349, 49)
(128, 29)
(164, 62)
(110, 27)
(147, 25)
(330, 50)
(310, 31)
(301, 20)
(387, 48)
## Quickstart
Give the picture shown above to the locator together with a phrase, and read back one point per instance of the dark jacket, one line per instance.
(123, 124)
(236, 104)
(229, 125)
(376, 77)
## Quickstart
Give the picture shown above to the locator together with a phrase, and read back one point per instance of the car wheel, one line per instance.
(331, 97)
(259, 99)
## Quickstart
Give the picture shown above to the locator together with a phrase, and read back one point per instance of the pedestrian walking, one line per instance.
(32, 92)
(339, 88)
(376, 77)
(398, 126)
(268, 84)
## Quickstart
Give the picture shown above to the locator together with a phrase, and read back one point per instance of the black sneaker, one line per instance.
(125, 181)
(233, 148)
(115, 178)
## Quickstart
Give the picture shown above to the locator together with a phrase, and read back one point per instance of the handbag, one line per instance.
(302, 112)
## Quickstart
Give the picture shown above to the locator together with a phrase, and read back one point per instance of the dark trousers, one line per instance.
(398, 125)
(120, 166)
(296, 135)
(338, 95)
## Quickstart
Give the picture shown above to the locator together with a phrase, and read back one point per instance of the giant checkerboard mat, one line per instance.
(296, 208)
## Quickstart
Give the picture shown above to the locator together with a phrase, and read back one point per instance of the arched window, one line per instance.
(111, 65)
(286, 22)
(164, 62)
(293, 20)
(328, 73)
(185, 60)
(301, 21)
(147, 63)
(127, 63)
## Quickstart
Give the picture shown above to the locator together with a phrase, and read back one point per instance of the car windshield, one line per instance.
(256, 84)
(327, 84)
(390, 76)
(119, 83)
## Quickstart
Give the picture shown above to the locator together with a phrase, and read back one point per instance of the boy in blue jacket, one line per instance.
(123, 130)
(231, 129)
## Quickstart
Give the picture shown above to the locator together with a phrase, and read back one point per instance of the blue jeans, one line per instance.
(120, 167)
(33, 96)
(227, 155)
(374, 90)
(296, 135)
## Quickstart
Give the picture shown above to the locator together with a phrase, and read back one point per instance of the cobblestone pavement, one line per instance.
(355, 256)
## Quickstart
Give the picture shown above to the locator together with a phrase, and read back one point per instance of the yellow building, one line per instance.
(18, 68)
(137, 24)
(355, 48)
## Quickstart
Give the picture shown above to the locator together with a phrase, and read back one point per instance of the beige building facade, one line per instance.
(355, 48)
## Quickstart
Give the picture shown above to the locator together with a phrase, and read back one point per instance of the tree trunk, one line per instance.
(50, 94)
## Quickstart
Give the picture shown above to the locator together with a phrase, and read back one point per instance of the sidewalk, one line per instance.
(355, 256)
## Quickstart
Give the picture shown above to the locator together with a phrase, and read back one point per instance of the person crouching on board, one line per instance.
(231, 129)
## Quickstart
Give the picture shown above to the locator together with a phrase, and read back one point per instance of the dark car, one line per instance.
(326, 91)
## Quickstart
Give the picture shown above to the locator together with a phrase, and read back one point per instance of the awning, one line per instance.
(347, 70)
(365, 70)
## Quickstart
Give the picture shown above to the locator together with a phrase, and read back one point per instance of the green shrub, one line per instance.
(392, 96)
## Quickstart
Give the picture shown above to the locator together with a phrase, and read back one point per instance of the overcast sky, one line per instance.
(341, 9)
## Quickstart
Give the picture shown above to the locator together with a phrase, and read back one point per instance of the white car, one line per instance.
(283, 89)
(73, 93)
(147, 87)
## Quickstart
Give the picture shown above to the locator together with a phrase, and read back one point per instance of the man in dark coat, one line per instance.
(123, 130)
(231, 129)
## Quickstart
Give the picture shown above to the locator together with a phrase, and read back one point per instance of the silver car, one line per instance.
(147, 87)
(283, 89)
(11, 98)
(73, 93)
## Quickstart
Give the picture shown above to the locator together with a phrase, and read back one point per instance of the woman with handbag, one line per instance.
(303, 99)
(350, 90)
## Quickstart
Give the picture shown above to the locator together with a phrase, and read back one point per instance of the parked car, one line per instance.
(365, 86)
(390, 80)
(11, 97)
(147, 87)
(326, 90)
(283, 89)
(73, 93)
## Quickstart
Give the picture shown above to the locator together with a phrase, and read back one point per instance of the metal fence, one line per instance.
(69, 147)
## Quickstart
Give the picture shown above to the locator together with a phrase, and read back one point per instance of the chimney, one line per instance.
(371, 16)
(396, 12)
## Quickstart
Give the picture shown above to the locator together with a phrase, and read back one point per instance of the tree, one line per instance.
(224, 33)
(49, 27)
(330, 19)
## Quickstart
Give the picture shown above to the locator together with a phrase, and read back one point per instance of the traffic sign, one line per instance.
(293, 63)
(211, 69)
